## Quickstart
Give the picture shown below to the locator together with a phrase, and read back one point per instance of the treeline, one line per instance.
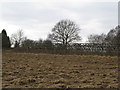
(62, 41)
(112, 37)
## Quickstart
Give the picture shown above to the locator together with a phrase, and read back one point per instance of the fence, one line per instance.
(77, 48)
(96, 48)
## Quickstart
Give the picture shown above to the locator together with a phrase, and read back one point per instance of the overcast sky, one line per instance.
(37, 18)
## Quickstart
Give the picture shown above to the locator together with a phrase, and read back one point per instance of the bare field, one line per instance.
(30, 70)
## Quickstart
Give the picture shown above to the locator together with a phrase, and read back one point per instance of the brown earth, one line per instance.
(30, 70)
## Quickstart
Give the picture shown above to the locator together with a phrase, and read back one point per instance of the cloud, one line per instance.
(59, 1)
(37, 18)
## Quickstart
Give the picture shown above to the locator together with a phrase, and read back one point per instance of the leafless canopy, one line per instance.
(17, 37)
(95, 38)
(65, 32)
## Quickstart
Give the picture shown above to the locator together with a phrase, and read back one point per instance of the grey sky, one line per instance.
(38, 18)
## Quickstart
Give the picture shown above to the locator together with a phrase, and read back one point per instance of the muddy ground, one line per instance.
(30, 70)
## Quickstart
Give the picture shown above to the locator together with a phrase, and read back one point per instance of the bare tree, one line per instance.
(65, 32)
(97, 38)
(48, 44)
(17, 38)
(28, 43)
(113, 35)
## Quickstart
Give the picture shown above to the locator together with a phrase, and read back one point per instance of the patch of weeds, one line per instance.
(58, 82)
(23, 82)
(31, 80)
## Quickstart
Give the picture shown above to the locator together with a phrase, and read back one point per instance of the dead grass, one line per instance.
(29, 70)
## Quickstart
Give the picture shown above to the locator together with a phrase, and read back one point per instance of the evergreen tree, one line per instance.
(5, 40)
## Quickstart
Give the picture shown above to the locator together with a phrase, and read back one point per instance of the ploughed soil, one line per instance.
(31, 70)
